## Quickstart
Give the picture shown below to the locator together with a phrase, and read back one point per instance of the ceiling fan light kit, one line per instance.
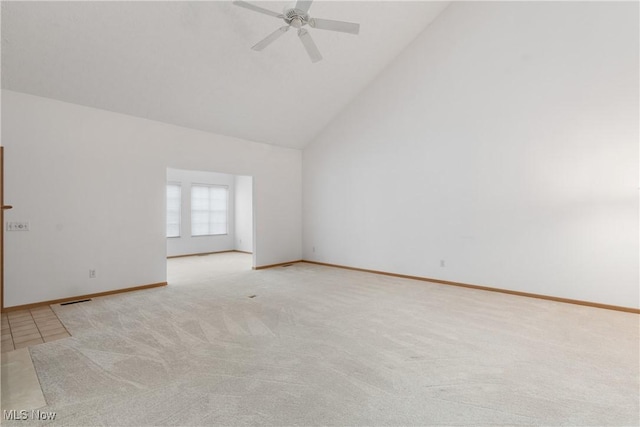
(298, 17)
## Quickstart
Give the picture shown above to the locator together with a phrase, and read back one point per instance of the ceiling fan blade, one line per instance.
(257, 8)
(303, 5)
(309, 45)
(330, 24)
(270, 38)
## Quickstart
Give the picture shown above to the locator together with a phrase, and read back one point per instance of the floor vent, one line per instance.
(75, 302)
(252, 296)
(287, 265)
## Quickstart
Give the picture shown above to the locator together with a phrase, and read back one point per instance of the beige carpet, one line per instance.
(325, 346)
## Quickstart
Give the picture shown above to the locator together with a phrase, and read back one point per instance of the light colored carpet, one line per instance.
(326, 346)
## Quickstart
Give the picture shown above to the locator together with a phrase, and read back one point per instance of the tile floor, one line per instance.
(25, 328)
(20, 385)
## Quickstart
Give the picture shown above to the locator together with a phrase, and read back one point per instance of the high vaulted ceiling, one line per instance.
(190, 63)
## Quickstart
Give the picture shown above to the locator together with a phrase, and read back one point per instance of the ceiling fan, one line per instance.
(297, 16)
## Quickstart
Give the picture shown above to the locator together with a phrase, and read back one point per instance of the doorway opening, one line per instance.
(210, 213)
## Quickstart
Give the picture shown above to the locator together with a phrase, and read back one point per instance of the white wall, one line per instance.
(187, 244)
(504, 141)
(244, 213)
(92, 185)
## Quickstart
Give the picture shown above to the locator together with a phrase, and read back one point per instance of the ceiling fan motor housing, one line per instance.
(294, 17)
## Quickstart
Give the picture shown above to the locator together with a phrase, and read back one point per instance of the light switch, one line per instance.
(18, 226)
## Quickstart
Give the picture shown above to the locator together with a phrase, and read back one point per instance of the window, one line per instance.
(174, 203)
(209, 206)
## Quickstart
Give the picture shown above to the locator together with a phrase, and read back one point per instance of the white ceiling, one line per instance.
(190, 63)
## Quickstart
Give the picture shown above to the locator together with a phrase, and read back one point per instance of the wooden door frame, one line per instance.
(3, 207)
(1, 228)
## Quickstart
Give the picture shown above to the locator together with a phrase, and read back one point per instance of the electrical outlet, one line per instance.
(441, 263)
(314, 249)
(92, 274)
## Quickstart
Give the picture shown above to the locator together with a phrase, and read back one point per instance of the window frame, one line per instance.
(179, 185)
(226, 223)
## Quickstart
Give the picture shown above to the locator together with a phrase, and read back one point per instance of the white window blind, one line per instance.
(174, 203)
(209, 207)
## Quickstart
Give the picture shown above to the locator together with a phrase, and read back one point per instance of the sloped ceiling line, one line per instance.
(190, 63)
